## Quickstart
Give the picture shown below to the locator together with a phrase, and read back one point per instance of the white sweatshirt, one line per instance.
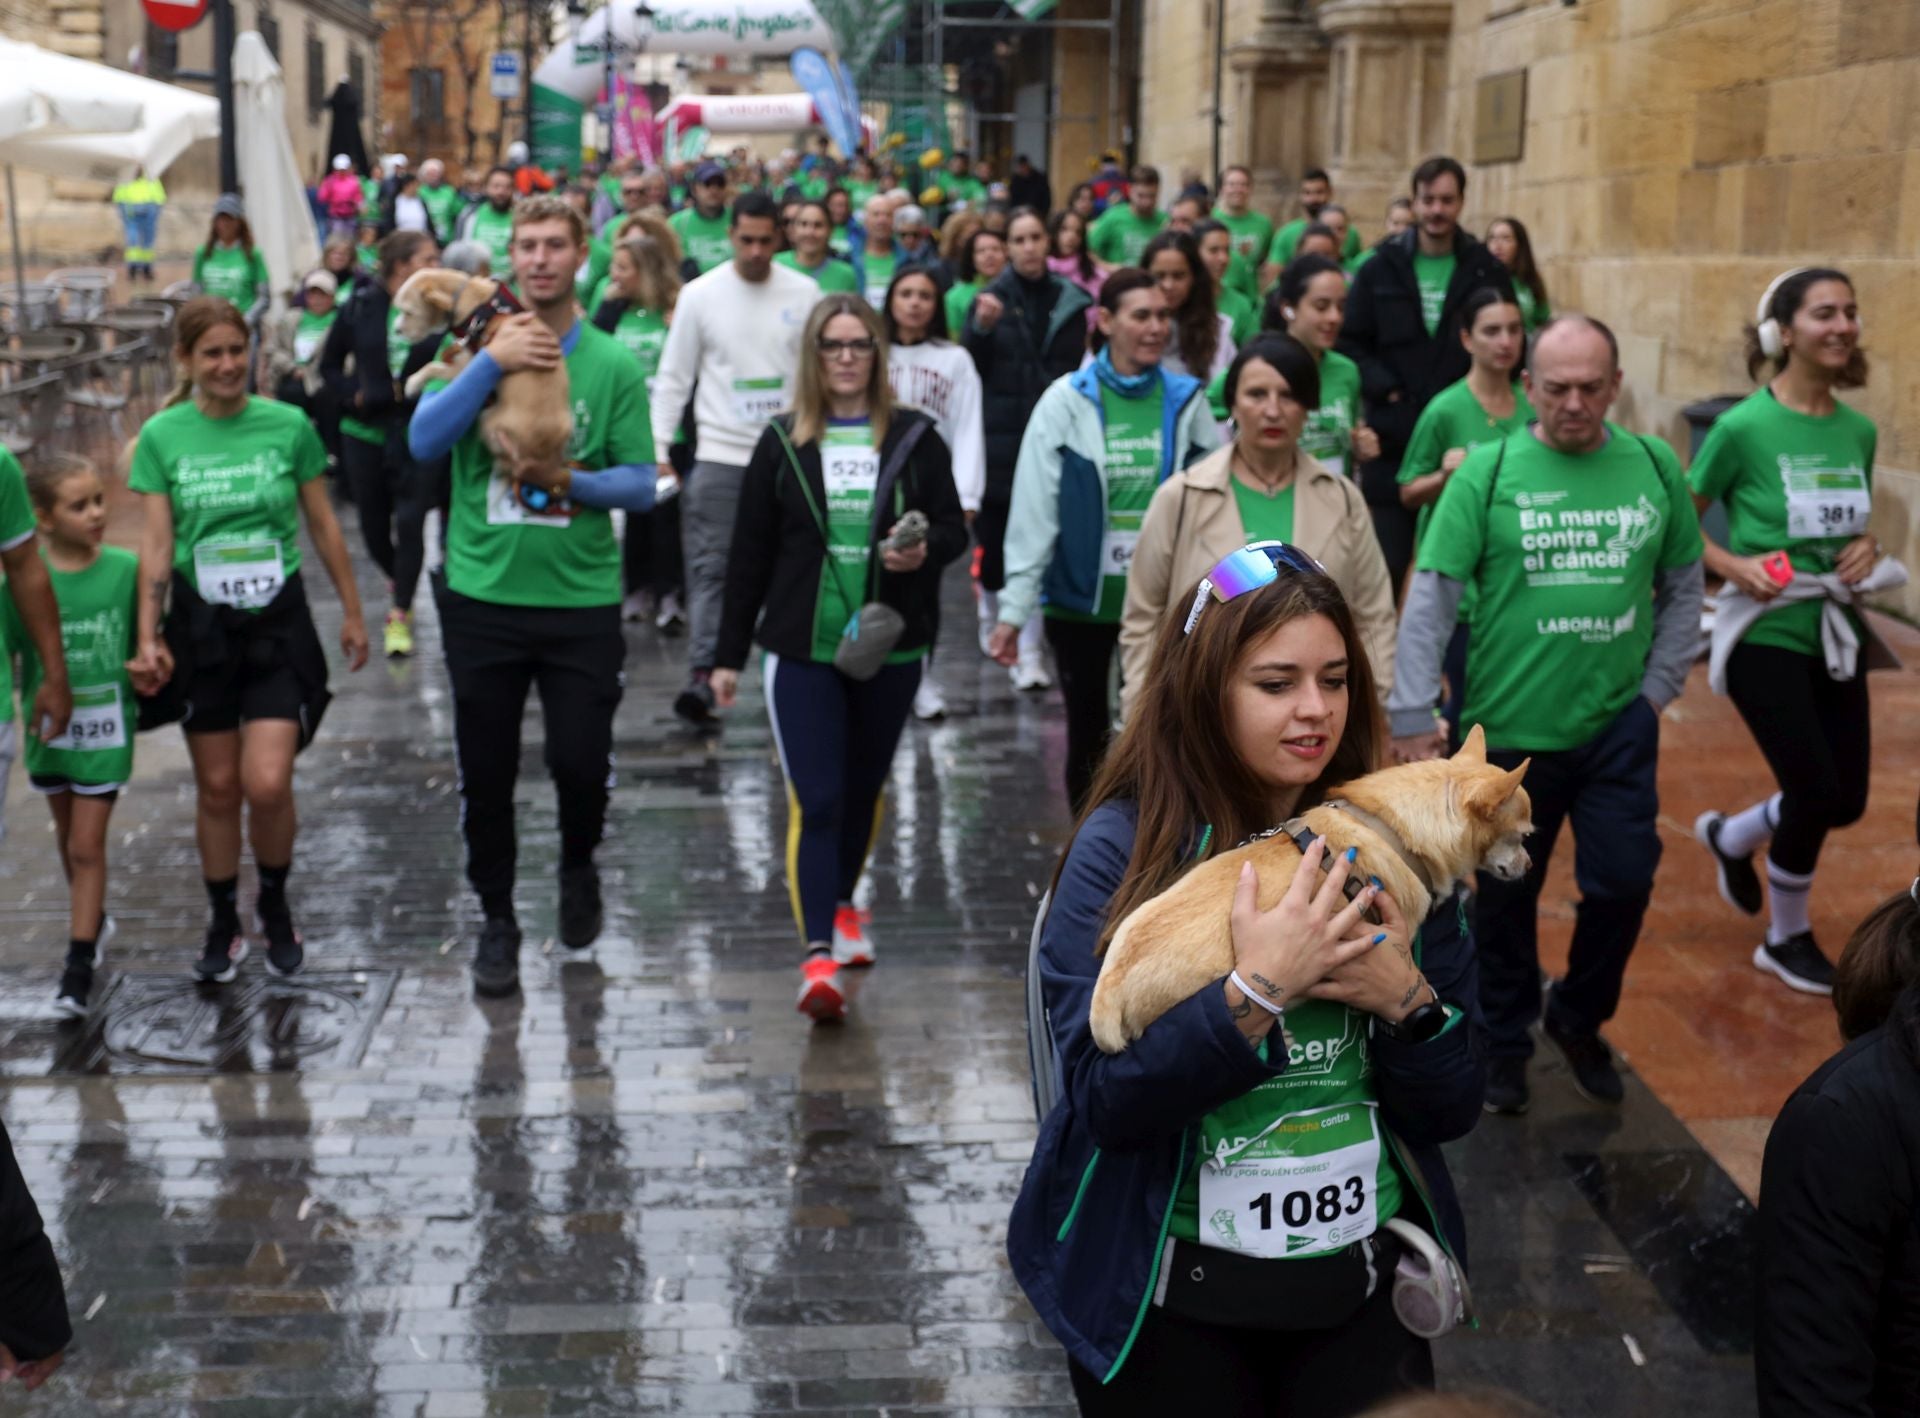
(741, 341)
(937, 377)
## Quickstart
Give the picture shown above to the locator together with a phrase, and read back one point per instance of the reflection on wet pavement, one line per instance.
(646, 1185)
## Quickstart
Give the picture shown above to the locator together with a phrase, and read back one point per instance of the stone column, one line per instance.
(75, 27)
(1278, 84)
(1388, 99)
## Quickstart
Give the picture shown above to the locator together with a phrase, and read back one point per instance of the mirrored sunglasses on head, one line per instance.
(1248, 569)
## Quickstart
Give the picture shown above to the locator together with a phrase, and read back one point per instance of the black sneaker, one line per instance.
(1739, 882)
(1506, 1086)
(220, 961)
(1798, 962)
(496, 963)
(581, 913)
(76, 984)
(1591, 1063)
(286, 952)
(695, 704)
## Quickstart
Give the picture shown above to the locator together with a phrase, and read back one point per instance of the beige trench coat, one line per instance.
(1193, 521)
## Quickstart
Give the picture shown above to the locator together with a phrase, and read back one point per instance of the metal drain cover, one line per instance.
(150, 1024)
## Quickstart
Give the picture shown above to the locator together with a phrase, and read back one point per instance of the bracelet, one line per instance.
(1277, 1011)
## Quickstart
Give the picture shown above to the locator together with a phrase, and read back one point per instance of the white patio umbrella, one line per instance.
(277, 209)
(79, 119)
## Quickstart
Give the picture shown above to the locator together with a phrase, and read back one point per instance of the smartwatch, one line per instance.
(1420, 1025)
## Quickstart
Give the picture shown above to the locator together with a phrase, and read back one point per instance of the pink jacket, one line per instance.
(340, 194)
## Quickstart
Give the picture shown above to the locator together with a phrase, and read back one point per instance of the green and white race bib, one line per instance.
(246, 575)
(99, 721)
(1824, 501)
(1309, 1183)
(757, 400)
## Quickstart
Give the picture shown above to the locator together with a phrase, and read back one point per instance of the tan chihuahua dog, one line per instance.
(531, 418)
(1422, 828)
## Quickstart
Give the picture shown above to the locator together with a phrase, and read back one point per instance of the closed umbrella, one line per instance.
(277, 209)
(343, 133)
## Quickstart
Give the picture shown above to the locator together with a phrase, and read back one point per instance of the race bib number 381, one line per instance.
(1307, 1185)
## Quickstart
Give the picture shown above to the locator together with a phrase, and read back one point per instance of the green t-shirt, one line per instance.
(1244, 314)
(1252, 234)
(1791, 482)
(499, 550)
(234, 486)
(849, 471)
(1454, 419)
(396, 361)
(592, 271)
(310, 333)
(97, 628)
(859, 191)
(1134, 459)
(877, 273)
(1118, 235)
(704, 239)
(1562, 553)
(370, 204)
(831, 275)
(368, 258)
(1263, 518)
(16, 526)
(1299, 1165)
(1328, 435)
(1534, 311)
(231, 273)
(443, 207)
(1287, 240)
(1433, 275)
(643, 334)
(959, 301)
(494, 230)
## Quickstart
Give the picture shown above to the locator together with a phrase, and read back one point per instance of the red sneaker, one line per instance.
(851, 943)
(821, 997)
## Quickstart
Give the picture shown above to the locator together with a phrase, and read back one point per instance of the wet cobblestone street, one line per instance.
(646, 1184)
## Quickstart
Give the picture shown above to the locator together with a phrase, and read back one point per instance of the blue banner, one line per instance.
(814, 72)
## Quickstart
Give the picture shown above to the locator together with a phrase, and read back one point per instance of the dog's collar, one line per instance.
(1386, 834)
(1302, 836)
(473, 329)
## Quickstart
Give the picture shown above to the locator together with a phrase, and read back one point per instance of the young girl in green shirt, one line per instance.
(81, 772)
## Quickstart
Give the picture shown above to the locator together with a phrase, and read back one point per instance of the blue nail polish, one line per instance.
(1377, 886)
(1382, 936)
(1352, 852)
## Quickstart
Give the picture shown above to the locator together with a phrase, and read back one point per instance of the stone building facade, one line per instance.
(1673, 156)
(317, 42)
(435, 77)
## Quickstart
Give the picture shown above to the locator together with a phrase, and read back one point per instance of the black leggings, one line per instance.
(1183, 1366)
(1083, 653)
(650, 555)
(990, 535)
(392, 499)
(1393, 527)
(495, 654)
(1816, 734)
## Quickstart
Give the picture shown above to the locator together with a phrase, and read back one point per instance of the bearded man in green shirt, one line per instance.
(1583, 550)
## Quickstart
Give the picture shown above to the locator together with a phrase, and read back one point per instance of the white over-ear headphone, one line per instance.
(1772, 343)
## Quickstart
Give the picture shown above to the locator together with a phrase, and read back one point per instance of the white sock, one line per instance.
(1787, 902)
(989, 607)
(1742, 833)
(1032, 636)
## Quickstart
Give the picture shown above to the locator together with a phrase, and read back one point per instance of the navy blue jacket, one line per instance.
(1089, 1225)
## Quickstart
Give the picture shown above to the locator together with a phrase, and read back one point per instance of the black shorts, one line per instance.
(50, 784)
(266, 673)
(223, 698)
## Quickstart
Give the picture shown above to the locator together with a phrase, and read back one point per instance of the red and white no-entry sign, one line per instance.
(174, 14)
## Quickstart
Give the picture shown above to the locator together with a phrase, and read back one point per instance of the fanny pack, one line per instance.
(875, 628)
(1220, 1287)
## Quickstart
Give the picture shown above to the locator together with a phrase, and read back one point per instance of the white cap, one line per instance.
(341, 162)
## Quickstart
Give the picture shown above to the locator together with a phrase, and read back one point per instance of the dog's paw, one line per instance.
(1106, 1017)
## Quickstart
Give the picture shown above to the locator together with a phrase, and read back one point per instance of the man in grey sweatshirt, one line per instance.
(1580, 546)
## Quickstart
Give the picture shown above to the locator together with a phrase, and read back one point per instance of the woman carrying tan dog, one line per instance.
(1211, 1218)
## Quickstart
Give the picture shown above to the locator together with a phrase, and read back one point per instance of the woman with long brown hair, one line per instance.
(636, 308)
(1507, 239)
(1186, 1251)
(822, 547)
(228, 266)
(226, 478)
(1201, 342)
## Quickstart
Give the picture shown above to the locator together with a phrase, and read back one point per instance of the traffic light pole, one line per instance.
(223, 91)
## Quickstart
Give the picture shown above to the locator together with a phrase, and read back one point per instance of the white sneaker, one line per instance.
(851, 943)
(928, 701)
(672, 619)
(1030, 671)
(989, 605)
(634, 607)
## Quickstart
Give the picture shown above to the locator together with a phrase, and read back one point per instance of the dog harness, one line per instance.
(471, 331)
(1302, 836)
